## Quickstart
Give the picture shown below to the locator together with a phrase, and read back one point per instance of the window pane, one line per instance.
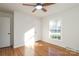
(54, 30)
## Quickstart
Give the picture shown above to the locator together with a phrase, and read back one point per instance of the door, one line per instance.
(4, 32)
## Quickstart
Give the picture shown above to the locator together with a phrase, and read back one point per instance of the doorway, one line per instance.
(4, 32)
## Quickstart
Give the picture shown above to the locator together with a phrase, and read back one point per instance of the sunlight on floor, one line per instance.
(38, 44)
(29, 37)
(29, 40)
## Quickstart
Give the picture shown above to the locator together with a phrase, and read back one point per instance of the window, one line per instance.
(55, 29)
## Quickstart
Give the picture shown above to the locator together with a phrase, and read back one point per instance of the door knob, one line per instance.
(9, 33)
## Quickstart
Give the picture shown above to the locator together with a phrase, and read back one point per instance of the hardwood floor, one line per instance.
(46, 49)
(40, 49)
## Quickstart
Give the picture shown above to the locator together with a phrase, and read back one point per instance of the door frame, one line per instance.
(11, 30)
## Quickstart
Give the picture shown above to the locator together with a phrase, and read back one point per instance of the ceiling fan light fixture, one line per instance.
(38, 7)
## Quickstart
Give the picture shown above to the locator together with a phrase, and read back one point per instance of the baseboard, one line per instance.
(68, 48)
(71, 49)
(38, 40)
(19, 45)
(5, 46)
(16, 46)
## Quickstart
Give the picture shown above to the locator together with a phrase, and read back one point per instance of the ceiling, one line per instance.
(58, 7)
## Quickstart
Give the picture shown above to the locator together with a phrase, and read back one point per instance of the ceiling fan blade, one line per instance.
(28, 4)
(47, 4)
(44, 9)
(34, 10)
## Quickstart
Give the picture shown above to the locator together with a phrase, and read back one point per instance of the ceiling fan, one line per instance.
(39, 6)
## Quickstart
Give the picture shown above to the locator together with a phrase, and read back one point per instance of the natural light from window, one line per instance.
(55, 30)
(29, 41)
(29, 38)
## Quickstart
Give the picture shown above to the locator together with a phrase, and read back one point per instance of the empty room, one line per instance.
(39, 29)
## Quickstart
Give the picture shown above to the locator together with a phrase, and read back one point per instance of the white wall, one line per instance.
(4, 14)
(70, 28)
(22, 23)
